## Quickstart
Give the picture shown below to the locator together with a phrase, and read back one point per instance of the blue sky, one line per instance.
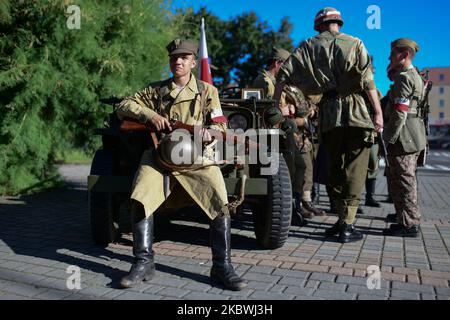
(427, 22)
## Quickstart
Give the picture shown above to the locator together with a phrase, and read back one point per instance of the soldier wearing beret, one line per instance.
(405, 137)
(337, 66)
(193, 102)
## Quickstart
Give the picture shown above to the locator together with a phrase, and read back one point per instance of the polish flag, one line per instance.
(205, 71)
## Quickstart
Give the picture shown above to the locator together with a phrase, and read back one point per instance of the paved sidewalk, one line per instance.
(42, 235)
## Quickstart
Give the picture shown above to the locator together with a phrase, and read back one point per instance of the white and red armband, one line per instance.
(401, 104)
(217, 115)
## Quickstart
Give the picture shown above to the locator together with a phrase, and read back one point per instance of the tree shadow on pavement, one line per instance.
(53, 226)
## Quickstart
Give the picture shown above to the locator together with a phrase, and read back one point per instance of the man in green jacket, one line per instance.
(337, 66)
(405, 137)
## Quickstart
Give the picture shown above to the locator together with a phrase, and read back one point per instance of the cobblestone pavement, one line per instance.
(43, 235)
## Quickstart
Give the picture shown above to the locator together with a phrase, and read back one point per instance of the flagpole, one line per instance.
(205, 71)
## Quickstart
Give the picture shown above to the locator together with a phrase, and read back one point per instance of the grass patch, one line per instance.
(75, 156)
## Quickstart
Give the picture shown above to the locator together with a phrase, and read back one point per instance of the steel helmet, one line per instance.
(327, 14)
(178, 151)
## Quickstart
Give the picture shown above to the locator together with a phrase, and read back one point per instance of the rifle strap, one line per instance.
(202, 91)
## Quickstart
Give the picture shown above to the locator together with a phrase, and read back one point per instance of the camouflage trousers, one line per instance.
(402, 186)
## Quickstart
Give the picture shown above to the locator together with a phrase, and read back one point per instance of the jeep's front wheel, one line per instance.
(272, 213)
(103, 206)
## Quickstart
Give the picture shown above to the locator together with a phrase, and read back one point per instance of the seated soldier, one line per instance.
(192, 102)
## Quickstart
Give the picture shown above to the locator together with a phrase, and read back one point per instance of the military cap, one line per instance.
(327, 14)
(280, 54)
(273, 116)
(404, 42)
(179, 46)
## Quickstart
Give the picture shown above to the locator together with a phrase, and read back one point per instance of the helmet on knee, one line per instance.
(179, 152)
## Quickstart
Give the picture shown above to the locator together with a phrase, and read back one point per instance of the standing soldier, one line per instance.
(192, 102)
(338, 66)
(266, 78)
(372, 172)
(405, 136)
(302, 178)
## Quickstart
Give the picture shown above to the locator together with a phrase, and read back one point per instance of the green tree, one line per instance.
(51, 76)
(238, 47)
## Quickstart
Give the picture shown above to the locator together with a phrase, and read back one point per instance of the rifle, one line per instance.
(128, 124)
(424, 107)
(382, 146)
(113, 100)
(423, 111)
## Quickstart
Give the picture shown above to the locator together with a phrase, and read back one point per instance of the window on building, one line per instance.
(441, 77)
(441, 103)
(441, 115)
(441, 90)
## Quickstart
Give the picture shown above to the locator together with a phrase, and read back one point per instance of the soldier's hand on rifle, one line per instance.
(160, 122)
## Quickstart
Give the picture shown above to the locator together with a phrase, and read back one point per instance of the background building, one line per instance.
(439, 116)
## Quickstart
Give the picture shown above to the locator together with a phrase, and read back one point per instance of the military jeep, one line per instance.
(269, 197)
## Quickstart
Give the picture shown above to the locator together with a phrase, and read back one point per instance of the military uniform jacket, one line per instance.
(205, 185)
(338, 66)
(265, 80)
(295, 97)
(405, 130)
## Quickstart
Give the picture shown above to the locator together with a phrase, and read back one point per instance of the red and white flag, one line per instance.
(205, 71)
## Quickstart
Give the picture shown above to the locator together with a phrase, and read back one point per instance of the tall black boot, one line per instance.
(220, 239)
(143, 267)
(297, 218)
(370, 190)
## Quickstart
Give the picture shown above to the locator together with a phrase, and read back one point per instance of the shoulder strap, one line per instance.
(158, 88)
(202, 90)
(200, 85)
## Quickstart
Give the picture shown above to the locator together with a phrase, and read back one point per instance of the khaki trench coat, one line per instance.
(205, 186)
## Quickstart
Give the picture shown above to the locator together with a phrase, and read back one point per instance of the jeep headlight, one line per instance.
(237, 121)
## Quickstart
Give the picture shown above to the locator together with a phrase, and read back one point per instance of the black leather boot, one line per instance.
(370, 190)
(399, 230)
(348, 233)
(297, 213)
(334, 230)
(143, 267)
(220, 239)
